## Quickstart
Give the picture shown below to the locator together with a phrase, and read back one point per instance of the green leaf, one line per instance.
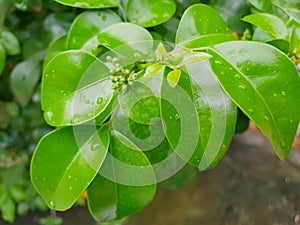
(264, 83)
(86, 27)
(139, 103)
(55, 47)
(216, 112)
(135, 45)
(2, 58)
(65, 163)
(168, 29)
(8, 211)
(10, 42)
(90, 4)
(150, 13)
(269, 23)
(232, 11)
(76, 88)
(201, 26)
(173, 77)
(265, 6)
(123, 188)
(295, 42)
(281, 44)
(23, 80)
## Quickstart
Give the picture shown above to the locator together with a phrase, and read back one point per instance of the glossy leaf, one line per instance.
(201, 26)
(76, 88)
(10, 42)
(150, 13)
(232, 11)
(260, 88)
(55, 47)
(265, 6)
(110, 197)
(180, 118)
(89, 4)
(281, 44)
(269, 23)
(2, 58)
(139, 103)
(23, 80)
(216, 112)
(86, 27)
(65, 163)
(168, 29)
(135, 45)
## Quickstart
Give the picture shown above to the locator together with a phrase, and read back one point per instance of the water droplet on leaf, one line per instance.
(99, 100)
(177, 117)
(95, 146)
(283, 93)
(218, 62)
(237, 76)
(242, 87)
(104, 18)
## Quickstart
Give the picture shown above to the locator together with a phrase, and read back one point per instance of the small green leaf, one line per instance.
(202, 26)
(150, 13)
(259, 78)
(135, 45)
(173, 77)
(121, 189)
(10, 42)
(2, 58)
(76, 88)
(55, 47)
(90, 4)
(65, 163)
(8, 210)
(23, 80)
(86, 27)
(272, 25)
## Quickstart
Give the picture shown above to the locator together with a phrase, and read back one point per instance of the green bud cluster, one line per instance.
(120, 77)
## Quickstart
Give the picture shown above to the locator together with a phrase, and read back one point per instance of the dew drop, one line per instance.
(239, 64)
(250, 110)
(53, 76)
(267, 118)
(166, 15)
(47, 75)
(222, 73)
(218, 62)
(53, 71)
(248, 69)
(70, 188)
(275, 95)
(230, 68)
(248, 62)
(282, 144)
(223, 146)
(104, 18)
(283, 93)
(44, 178)
(154, 21)
(99, 100)
(171, 117)
(177, 117)
(237, 76)
(217, 30)
(69, 177)
(136, 55)
(242, 87)
(52, 203)
(95, 146)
